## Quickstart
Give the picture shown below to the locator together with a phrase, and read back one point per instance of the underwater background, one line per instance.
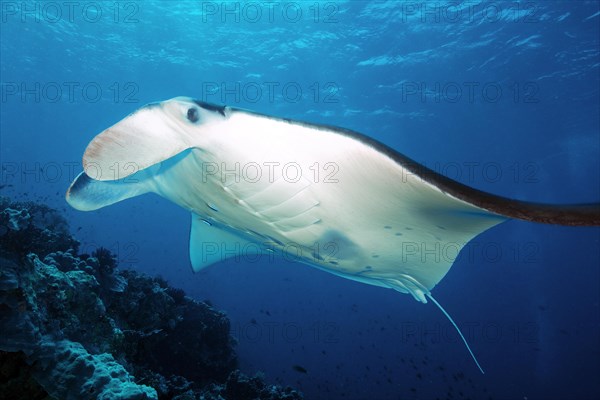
(502, 96)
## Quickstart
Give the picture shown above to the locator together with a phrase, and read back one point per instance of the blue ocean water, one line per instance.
(502, 96)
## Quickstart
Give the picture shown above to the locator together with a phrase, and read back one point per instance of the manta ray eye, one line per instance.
(192, 115)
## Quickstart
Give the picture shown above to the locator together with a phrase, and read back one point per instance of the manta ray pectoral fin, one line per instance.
(584, 214)
(210, 244)
(87, 194)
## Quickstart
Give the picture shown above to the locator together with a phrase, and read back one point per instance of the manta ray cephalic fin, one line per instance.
(87, 194)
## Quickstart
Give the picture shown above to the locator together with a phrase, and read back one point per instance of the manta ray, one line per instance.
(259, 186)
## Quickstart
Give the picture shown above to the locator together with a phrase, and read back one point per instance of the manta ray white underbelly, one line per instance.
(332, 198)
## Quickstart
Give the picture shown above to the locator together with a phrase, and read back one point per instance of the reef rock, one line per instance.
(74, 326)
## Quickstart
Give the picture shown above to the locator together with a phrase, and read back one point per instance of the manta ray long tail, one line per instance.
(457, 329)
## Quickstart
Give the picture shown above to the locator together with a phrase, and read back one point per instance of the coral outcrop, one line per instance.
(74, 326)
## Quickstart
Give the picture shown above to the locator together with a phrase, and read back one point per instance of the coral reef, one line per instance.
(74, 326)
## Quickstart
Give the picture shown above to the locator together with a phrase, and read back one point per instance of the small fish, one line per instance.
(300, 369)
